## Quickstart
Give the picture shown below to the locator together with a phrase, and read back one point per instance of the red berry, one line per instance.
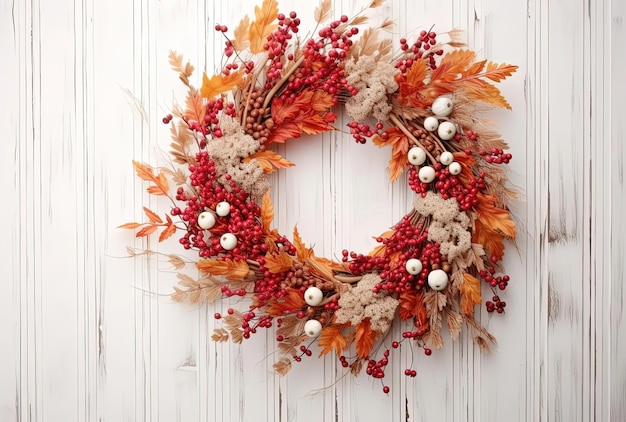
(217, 315)
(428, 352)
(386, 389)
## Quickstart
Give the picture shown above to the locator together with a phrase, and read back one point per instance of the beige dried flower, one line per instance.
(374, 82)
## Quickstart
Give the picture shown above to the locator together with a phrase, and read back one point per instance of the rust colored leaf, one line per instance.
(492, 241)
(131, 226)
(412, 306)
(152, 216)
(218, 84)
(470, 294)
(263, 25)
(399, 143)
(168, 232)
(494, 217)
(267, 212)
(292, 302)
(147, 230)
(233, 270)
(145, 172)
(240, 40)
(278, 262)
(331, 338)
(364, 338)
(269, 160)
(302, 252)
(409, 85)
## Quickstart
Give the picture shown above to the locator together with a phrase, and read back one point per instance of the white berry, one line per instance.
(416, 156)
(313, 296)
(206, 220)
(442, 106)
(414, 266)
(437, 279)
(446, 158)
(228, 241)
(431, 123)
(426, 174)
(455, 168)
(446, 130)
(312, 328)
(222, 209)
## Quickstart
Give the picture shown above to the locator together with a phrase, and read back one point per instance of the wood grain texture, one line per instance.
(91, 335)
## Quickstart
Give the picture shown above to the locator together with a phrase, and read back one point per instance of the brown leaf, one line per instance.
(454, 320)
(323, 11)
(282, 366)
(364, 338)
(356, 366)
(470, 294)
(176, 261)
(219, 335)
(278, 262)
(184, 72)
(233, 270)
(263, 25)
(331, 338)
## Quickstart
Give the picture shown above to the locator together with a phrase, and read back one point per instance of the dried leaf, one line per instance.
(220, 335)
(282, 366)
(176, 261)
(152, 216)
(145, 172)
(323, 11)
(376, 3)
(454, 320)
(131, 226)
(267, 212)
(184, 72)
(470, 294)
(356, 366)
(147, 230)
(412, 306)
(169, 230)
(331, 338)
(240, 40)
(263, 25)
(364, 338)
(233, 270)
(292, 302)
(218, 84)
(195, 107)
(269, 161)
(302, 252)
(399, 143)
(278, 262)
(494, 217)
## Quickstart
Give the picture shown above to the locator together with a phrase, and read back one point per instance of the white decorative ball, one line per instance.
(414, 266)
(446, 130)
(312, 328)
(206, 220)
(442, 106)
(431, 123)
(455, 168)
(446, 158)
(222, 209)
(426, 174)
(437, 279)
(228, 241)
(416, 156)
(313, 296)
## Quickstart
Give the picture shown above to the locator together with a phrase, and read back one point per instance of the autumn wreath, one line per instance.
(423, 100)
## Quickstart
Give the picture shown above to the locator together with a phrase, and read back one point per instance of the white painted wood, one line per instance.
(90, 335)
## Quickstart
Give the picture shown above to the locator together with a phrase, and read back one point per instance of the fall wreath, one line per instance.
(421, 98)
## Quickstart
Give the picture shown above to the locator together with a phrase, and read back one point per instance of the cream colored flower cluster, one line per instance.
(449, 226)
(375, 81)
(227, 153)
(361, 302)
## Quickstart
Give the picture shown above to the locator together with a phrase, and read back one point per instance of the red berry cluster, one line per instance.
(496, 156)
(425, 41)
(497, 305)
(361, 131)
(377, 368)
(500, 281)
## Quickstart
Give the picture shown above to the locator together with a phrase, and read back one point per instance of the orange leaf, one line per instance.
(218, 84)
(399, 143)
(412, 306)
(364, 338)
(168, 232)
(292, 302)
(470, 294)
(267, 212)
(130, 226)
(195, 107)
(154, 218)
(146, 231)
(145, 172)
(491, 240)
(411, 84)
(269, 160)
(494, 217)
(278, 263)
(331, 338)
(233, 270)
(240, 40)
(323, 267)
(263, 25)
(302, 252)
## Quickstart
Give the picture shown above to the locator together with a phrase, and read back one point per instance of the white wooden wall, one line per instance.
(89, 335)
